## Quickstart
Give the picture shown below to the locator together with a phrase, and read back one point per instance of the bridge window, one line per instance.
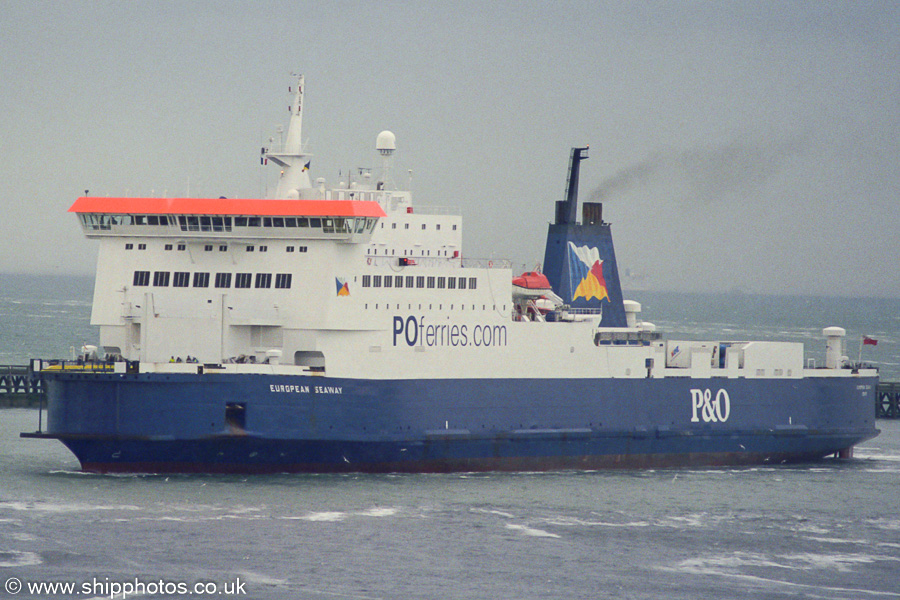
(388, 281)
(290, 222)
(420, 281)
(451, 283)
(367, 281)
(441, 282)
(189, 223)
(398, 281)
(472, 282)
(430, 282)
(223, 280)
(462, 283)
(376, 281)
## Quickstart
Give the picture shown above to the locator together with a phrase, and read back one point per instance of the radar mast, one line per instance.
(292, 159)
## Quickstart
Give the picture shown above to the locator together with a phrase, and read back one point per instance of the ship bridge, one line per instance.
(345, 220)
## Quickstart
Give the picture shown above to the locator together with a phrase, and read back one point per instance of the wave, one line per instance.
(576, 522)
(333, 516)
(731, 566)
(62, 508)
(531, 531)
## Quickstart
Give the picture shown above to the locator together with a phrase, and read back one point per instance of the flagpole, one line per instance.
(859, 360)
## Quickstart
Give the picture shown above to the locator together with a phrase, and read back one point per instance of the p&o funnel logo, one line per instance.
(586, 273)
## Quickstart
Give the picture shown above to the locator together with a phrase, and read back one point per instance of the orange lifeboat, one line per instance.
(532, 280)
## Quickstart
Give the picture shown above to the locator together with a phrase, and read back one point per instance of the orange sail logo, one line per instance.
(586, 273)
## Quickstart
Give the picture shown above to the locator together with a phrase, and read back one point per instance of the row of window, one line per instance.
(326, 224)
(393, 252)
(388, 306)
(222, 280)
(406, 226)
(419, 281)
(222, 247)
(209, 223)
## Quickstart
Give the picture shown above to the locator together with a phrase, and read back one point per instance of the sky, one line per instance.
(736, 146)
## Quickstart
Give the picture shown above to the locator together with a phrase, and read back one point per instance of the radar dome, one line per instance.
(386, 143)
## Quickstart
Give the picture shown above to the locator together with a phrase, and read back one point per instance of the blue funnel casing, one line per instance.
(579, 259)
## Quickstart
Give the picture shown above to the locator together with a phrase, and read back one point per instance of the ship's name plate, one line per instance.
(280, 388)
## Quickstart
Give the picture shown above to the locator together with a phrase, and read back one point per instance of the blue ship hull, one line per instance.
(168, 423)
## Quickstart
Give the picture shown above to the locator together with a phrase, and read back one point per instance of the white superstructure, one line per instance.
(354, 281)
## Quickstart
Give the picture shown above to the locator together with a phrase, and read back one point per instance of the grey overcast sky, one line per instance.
(737, 145)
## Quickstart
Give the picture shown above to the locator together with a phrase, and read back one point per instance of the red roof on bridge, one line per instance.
(227, 206)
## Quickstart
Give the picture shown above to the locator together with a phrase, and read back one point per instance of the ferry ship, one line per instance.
(343, 329)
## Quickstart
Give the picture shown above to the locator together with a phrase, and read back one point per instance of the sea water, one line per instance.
(823, 530)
